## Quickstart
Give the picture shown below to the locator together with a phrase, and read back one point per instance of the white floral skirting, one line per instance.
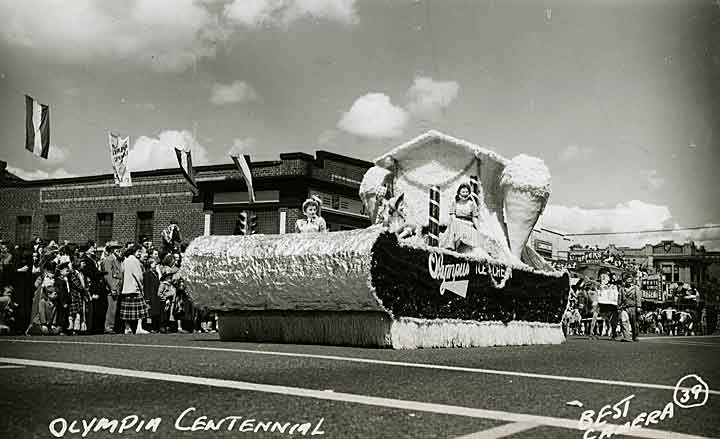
(412, 333)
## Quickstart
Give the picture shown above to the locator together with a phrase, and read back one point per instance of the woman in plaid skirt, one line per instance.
(133, 308)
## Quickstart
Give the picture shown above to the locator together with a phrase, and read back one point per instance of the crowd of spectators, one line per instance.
(584, 308)
(52, 288)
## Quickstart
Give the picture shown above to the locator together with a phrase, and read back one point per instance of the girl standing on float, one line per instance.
(464, 220)
(464, 229)
(314, 222)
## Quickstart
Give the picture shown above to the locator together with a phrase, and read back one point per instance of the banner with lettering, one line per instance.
(651, 288)
(432, 284)
(119, 153)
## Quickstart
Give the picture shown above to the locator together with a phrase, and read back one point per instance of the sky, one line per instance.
(621, 99)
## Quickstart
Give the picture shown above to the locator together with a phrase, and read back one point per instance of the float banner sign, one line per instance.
(119, 152)
(423, 283)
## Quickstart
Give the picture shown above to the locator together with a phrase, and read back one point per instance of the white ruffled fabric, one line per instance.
(412, 333)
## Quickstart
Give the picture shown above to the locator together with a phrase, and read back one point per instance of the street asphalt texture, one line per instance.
(32, 396)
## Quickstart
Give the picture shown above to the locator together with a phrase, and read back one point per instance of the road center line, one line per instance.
(380, 362)
(445, 409)
(500, 431)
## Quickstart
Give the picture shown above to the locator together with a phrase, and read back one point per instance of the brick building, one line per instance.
(93, 207)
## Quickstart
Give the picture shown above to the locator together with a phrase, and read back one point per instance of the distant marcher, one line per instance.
(630, 302)
(607, 303)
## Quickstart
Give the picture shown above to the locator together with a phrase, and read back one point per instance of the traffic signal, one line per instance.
(241, 224)
(252, 224)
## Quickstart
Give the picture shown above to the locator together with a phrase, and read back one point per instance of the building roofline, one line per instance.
(321, 156)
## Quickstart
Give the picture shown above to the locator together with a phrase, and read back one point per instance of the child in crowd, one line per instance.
(44, 320)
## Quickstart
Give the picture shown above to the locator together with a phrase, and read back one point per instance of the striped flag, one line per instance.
(119, 152)
(37, 127)
(242, 165)
(187, 168)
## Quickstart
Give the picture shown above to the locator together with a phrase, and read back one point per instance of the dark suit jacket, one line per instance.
(62, 302)
(151, 283)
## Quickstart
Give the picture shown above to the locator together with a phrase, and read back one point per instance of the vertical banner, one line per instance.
(119, 152)
(37, 127)
(244, 168)
(187, 168)
(434, 203)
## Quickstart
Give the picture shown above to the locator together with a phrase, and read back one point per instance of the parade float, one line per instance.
(410, 280)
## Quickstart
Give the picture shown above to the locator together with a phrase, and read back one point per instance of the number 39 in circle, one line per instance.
(690, 391)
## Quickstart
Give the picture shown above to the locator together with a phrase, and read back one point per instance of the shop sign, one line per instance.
(543, 246)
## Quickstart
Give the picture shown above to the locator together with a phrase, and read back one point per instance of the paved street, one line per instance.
(343, 392)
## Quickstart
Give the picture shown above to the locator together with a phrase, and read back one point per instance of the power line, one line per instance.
(713, 226)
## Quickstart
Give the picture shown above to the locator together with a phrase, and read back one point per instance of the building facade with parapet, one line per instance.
(675, 263)
(93, 207)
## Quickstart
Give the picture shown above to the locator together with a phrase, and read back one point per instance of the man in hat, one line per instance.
(630, 302)
(147, 243)
(114, 278)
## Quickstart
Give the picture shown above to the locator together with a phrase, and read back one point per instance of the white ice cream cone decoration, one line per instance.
(525, 182)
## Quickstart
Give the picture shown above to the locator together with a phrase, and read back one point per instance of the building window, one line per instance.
(52, 227)
(104, 227)
(23, 228)
(145, 225)
(671, 272)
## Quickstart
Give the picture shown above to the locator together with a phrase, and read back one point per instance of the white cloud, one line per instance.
(242, 146)
(572, 152)
(39, 174)
(256, 13)
(327, 138)
(159, 152)
(653, 180)
(166, 34)
(237, 92)
(631, 216)
(147, 106)
(374, 116)
(57, 154)
(428, 98)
